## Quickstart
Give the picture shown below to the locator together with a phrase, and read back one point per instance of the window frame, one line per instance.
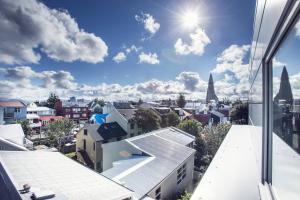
(287, 21)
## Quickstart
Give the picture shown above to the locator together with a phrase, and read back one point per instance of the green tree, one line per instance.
(100, 102)
(185, 196)
(26, 127)
(52, 99)
(173, 119)
(147, 119)
(98, 110)
(190, 126)
(239, 112)
(58, 129)
(181, 101)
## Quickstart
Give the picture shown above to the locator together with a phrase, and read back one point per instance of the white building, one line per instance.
(156, 165)
(32, 108)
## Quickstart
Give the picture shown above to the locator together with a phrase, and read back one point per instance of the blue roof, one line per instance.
(98, 118)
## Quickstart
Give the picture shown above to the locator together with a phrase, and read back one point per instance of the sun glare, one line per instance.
(190, 19)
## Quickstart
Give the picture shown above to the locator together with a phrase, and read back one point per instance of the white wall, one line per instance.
(1, 116)
(113, 151)
(169, 187)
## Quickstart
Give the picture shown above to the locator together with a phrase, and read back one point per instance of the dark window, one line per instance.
(131, 125)
(17, 110)
(158, 193)
(85, 131)
(84, 144)
(105, 141)
(94, 146)
(131, 135)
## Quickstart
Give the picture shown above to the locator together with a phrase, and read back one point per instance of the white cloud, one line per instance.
(31, 26)
(192, 81)
(132, 48)
(120, 57)
(199, 40)
(150, 24)
(277, 63)
(150, 58)
(236, 72)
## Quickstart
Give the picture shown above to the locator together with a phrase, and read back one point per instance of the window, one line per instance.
(181, 173)
(131, 125)
(17, 110)
(83, 115)
(76, 115)
(286, 117)
(84, 144)
(94, 146)
(131, 135)
(85, 131)
(158, 193)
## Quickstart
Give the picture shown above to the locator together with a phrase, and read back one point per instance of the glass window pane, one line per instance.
(286, 117)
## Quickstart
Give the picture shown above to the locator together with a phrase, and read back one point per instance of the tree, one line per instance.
(181, 101)
(147, 119)
(26, 127)
(190, 126)
(185, 196)
(58, 129)
(53, 98)
(239, 112)
(98, 110)
(173, 119)
(100, 102)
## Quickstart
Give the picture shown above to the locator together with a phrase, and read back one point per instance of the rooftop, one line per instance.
(127, 113)
(164, 150)
(55, 173)
(105, 131)
(16, 104)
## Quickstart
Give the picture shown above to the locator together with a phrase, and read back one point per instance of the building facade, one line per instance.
(12, 111)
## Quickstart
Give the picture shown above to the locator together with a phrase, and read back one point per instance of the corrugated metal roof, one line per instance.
(127, 113)
(167, 150)
(16, 104)
(59, 174)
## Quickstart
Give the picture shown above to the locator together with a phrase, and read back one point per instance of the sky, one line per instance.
(117, 50)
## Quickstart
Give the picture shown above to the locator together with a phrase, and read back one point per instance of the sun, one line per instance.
(190, 19)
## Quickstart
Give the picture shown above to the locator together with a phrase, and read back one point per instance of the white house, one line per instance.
(32, 108)
(125, 118)
(156, 165)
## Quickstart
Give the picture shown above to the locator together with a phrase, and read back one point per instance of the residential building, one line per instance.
(90, 138)
(125, 118)
(217, 117)
(34, 122)
(204, 119)
(261, 160)
(13, 111)
(12, 138)
(51, 175)
(46, 120)
(32, 108)
(156, 165)
(77, 112)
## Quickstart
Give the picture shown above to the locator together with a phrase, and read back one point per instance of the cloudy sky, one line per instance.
(114, 50)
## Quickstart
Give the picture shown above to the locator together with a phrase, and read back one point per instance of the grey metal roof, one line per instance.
(176, 135)
(166, 155)
(52, 171)
(127, 113)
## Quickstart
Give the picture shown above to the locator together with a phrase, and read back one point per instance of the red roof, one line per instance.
(203, 118)
(16, 104)
(49, 118)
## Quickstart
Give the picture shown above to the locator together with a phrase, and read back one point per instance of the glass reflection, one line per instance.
(286, 117)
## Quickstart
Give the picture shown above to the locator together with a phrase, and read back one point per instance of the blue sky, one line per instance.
(222, 24)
